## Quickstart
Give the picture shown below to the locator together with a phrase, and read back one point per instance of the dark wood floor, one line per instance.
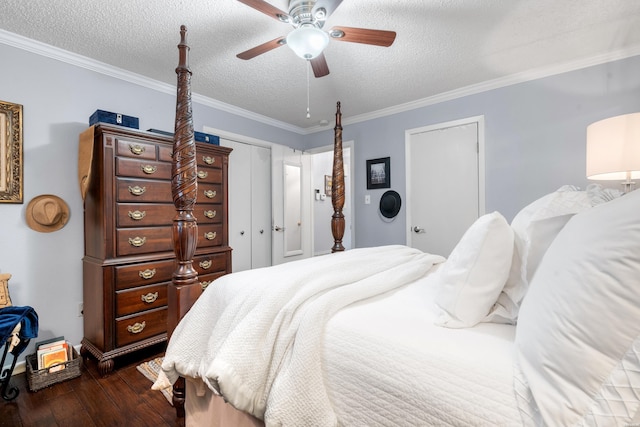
(123, 398)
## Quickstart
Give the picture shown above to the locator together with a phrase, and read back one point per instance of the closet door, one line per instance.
(249, 205)
(260, 207)
(239, 205)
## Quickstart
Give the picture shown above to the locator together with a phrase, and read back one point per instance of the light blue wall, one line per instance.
(534, 139)
(58, 99)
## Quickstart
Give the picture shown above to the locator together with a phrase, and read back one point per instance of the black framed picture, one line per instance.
(379, 173)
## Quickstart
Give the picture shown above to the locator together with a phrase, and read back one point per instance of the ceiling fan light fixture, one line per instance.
(307, 41)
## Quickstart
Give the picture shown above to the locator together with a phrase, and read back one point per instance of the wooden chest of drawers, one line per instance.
(128, 217)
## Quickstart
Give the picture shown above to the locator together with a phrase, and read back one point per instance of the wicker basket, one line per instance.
(39, 379)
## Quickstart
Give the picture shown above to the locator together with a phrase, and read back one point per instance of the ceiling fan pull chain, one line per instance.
(309, 66)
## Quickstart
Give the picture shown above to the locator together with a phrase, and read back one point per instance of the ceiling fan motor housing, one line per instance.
(301, 12)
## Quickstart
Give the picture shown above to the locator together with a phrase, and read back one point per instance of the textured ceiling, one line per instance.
(441, 46)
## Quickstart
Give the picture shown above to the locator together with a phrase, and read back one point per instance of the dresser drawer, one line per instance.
(209, 160)
(145, 273)
(145, 214)
(137, 190)
(135, 149)
(209, 235)
(210, 193)
(144, 325)
(207, 264)
(207, 279)
(208, 213)
(165, 153)
(134, 300)
(134, 241)
(143, 169)
(209, 175)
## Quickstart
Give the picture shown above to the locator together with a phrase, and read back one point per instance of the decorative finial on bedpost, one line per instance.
(337, 186)
(183, 50)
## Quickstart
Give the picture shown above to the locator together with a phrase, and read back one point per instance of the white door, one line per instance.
(249, 205)
(260, 207)
(291, 204)
(445, 183)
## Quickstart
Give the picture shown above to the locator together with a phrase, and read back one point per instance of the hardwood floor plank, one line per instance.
(10, 415)
(69, 411)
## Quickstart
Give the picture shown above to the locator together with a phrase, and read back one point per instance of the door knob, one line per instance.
(242, 233)
(261, 231)
(278, 228)
(418, 230)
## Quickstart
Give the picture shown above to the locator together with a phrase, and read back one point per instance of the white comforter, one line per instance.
(388, 364)
(256, 337)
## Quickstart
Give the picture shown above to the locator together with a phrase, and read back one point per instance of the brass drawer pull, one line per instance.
(205, 284)
(208, 160)
(210, 214)
(210, 193)
(137, 241)
(149, 169)
(147, 274)
(206, 264)
(137, 191)
(210, 235)
(136, 328)
(203, 174)
(150, 297)
(137, 215)
(136, 149)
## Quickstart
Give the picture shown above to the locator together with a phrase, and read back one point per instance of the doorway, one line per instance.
(445, 183)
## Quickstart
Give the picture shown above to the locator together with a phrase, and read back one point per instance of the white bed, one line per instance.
(441, 346)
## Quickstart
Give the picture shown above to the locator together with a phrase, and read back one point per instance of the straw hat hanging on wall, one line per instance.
(47, 213)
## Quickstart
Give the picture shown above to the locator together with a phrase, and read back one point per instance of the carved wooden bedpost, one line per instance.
(337, 186)
(184, 187)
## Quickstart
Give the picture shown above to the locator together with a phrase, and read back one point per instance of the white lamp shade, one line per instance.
(613, 148)
(307, 41)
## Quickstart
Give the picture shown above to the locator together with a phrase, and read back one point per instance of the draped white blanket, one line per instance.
(255, 337)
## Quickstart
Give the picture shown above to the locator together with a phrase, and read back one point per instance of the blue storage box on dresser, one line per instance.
(198, 136)
(114, 119)
(205, 137)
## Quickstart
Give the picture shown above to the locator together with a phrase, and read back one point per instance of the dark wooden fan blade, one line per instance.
(319, 66)
(363, 35)
(329, 5)
(260, 49)
(267, 9)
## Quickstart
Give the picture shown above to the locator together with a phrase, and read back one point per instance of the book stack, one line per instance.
(53, 353)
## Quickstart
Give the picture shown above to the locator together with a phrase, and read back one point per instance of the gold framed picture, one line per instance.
(10, 152)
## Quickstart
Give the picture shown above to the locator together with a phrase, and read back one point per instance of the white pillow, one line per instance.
(535, 227)
(598, 195)
(474, 274)
(578, 334)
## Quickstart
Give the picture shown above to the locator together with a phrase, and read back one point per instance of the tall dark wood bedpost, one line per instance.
(184, 187)
(337, 186)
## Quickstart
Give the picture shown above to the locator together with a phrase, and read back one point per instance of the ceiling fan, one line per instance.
(308, 40)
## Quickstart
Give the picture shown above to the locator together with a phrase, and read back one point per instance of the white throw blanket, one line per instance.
(255, 337)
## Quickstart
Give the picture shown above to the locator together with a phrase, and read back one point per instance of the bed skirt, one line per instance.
(205, 408)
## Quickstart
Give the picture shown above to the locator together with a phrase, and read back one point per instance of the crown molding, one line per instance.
(49, 51)
(497, 84)
(43, 49)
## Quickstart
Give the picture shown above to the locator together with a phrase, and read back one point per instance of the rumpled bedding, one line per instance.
(256, 337)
